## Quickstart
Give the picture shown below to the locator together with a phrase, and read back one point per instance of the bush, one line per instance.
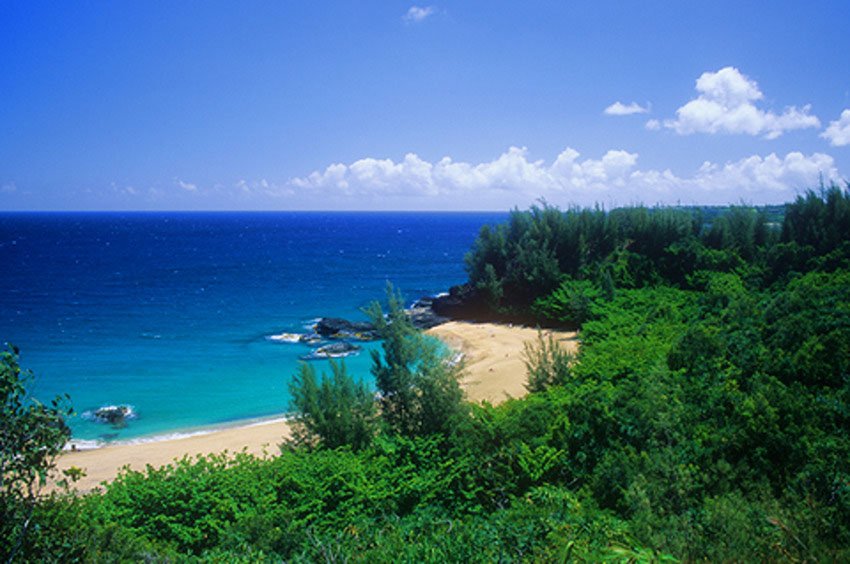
(331, 411)
(418, 385)
(31, 436)
(569, 305)
(547, 363)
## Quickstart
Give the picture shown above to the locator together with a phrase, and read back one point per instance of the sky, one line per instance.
(391, 105)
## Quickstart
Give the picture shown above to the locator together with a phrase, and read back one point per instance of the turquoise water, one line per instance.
(170, 313)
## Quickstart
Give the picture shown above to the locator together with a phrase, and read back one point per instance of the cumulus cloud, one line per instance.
(515, 179)
(838, 132)
(620, 109)
(726, 104)
(418, 14)
(795, 171)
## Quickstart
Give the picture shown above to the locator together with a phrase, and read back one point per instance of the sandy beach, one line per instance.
(494, 372)
(103, 464)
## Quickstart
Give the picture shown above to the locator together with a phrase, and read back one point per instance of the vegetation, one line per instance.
(331, 411)
(547, 364)
(706, 416)
(31, 436)
(417, 386)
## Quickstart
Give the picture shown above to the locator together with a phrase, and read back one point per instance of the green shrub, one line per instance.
(333, 410)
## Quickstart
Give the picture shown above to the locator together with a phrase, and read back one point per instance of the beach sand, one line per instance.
(493, 356)
(494, 372)
(103, 464)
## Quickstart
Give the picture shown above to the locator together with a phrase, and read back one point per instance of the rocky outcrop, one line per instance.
(336, 328)
(462, 302)
(115, 415)
(422, 314)
(310, 339)
(333, 350)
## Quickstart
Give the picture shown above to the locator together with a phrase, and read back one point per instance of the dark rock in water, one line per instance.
(462, 302)
(336, 328)
(333, 350)
(115, 415)
(422, 315)
(310, 339)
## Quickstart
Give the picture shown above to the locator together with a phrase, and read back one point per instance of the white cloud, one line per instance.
(515, 179)
(261, 187)
(726, 104)
(653, 125)
(188, 186)
(772, 173)
(620, 109)
(8, 188)
(838, 131)
(418, 14)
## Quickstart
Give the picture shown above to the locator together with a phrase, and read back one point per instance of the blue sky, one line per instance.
(432, 106)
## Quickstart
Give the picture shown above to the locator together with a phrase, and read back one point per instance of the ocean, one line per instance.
(170, 313)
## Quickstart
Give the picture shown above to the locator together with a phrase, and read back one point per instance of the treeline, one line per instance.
(706, 417)
(535, 251)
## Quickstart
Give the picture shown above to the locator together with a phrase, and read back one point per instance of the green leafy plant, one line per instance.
(547, 363)
(331, 410)
(31, 436)
(418, 387)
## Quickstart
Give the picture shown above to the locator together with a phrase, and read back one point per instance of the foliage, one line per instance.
(332, 411)
(527, 257)
(525, 260)
(570, 304)
(819, 220)
(418, 385)
(808, 328)
(31, 436)
(547, 363)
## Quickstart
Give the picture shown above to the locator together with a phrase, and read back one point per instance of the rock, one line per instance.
(462, 302)
(336, 328)
(422, 315)
(115, 415)
(333, 350)
(310, 339)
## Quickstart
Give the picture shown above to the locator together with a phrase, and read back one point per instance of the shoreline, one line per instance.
(494, 371)
(86, 445)
(104, 463)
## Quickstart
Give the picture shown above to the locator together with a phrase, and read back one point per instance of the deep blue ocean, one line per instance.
(170, 312)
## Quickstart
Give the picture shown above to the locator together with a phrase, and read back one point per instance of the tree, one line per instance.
(31, 436)
(571, 303)
(548, 364)
(491, 286)
(418, 385)
(332, 410)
